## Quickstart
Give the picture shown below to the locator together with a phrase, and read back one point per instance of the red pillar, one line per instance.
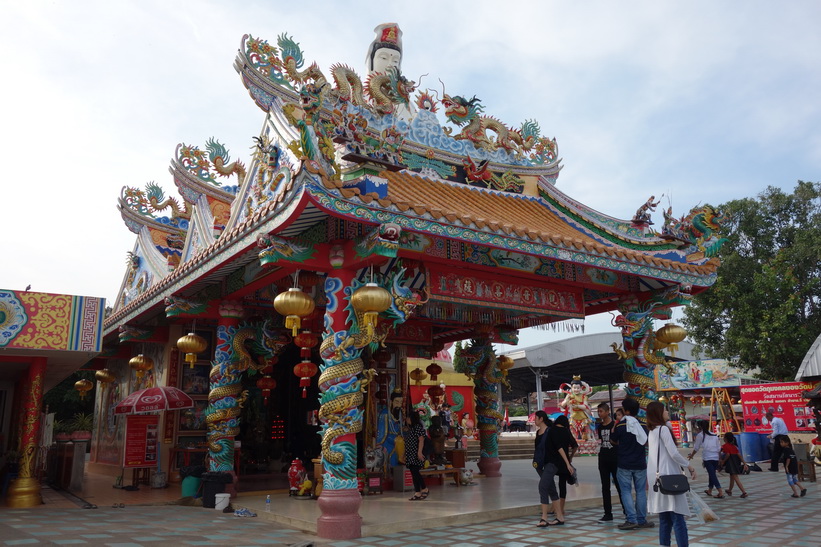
(25, 490)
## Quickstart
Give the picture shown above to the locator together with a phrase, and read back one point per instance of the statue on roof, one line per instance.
(385, 57)
(642, 215)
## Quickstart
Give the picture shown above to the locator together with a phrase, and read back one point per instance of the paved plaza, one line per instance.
(769, 517)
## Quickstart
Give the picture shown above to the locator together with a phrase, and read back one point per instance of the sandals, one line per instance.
(744, 495)
(794, 496)
(720, 496)
(728, 492)
(416, 498)
(542, 523)
(556, 522)
(708, 493)
(425, 494)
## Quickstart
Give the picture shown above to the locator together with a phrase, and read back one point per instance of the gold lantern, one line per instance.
(83, 386)
(505, 363)
(141, 364)
(105, 377)
(671, 334)
(417, 375)
(372, 300)
(191, 344)
(294, 305)
(663, 400)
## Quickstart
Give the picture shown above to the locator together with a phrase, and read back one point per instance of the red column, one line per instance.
(25, 490)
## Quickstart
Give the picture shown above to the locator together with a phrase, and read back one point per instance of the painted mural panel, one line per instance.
(32, 320)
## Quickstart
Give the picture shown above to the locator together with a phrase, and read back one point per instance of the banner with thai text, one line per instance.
(141, 441)
(783, 400)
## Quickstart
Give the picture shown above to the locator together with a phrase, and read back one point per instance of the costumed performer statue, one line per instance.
(385, 52)
(576, 407)
(425, 409)
(389, 429)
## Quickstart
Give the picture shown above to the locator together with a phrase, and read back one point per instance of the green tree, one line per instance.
(764, 307)
(65, 401)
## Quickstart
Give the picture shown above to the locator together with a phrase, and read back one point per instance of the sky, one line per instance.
(701, 101)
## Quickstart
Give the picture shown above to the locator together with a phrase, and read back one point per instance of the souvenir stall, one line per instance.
(374, 222)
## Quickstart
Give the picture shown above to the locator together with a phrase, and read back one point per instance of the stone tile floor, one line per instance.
(768, 518)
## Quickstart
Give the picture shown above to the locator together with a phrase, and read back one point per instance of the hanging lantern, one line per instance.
(305, 341)
(417, 375)
(266, 384)
(434, 370)
(382, 356)
(294, 305)
(191, 344)
(371, 299)
(105, 377)
(141, 364)
(505, 363)
(658, 344)
(435, 392)
(671, 335)
(83, 386)
(663, 400)
(305, 370)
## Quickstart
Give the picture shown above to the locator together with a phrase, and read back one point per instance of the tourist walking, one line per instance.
(563, 439)
(414, 457)
(779, 428)
(664, 459)
(608, 461)
(542, 423)
(708, 443)
(733, 463)
(630, 436)
(791, 466)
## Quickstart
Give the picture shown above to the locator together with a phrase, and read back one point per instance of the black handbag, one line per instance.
(671, 485)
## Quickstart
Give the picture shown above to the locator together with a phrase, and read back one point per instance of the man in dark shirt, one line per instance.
(630, 436)
(608, 461)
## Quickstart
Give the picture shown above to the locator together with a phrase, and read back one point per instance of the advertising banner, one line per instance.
(783, 400)
(141, 441)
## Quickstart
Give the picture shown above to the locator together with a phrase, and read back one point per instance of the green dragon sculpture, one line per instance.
(478, 362)
(239, 349)
(343, 377)
(699, 228)
(640, 355)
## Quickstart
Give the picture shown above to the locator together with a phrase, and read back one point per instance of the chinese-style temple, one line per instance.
(374, 222)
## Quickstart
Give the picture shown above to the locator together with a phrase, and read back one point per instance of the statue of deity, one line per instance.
(389, 427)
(576, 407)
(384, 53)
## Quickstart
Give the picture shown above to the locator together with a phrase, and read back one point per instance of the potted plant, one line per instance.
(61, 431)
(82, 425)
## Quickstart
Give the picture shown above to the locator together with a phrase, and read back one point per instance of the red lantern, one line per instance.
(305, 371)
(435, 392)
(306, 340)
(266, 384)
(434, 370)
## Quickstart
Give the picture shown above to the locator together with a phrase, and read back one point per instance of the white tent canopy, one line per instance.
(811, 365)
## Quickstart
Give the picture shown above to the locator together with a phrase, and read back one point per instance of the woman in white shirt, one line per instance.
(708, 442)
(664, 459)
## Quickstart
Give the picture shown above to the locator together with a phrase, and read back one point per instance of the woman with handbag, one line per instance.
(664, 461)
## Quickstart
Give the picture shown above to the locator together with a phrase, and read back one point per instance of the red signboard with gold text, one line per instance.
(141, 441)
(783, 400)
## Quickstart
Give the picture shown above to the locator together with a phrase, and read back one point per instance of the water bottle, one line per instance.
(268, 503)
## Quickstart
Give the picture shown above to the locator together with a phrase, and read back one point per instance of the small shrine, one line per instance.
(374, 221)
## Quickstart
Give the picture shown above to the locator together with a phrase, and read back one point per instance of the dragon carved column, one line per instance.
(640, 354)
(341, 384)
(478, 361)
(25, 490)
(231, 360)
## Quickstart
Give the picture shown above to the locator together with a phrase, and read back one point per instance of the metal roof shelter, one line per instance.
(547, 366)
(810, 368)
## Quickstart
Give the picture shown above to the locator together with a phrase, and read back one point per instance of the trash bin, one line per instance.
(766, 446)
(751, 447)
(212, 484)
(191, 480)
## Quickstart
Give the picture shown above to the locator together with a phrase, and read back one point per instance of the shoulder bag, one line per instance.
(671, 485)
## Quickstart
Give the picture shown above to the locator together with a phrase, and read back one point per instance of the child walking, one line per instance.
(733, 463)
(791, 466)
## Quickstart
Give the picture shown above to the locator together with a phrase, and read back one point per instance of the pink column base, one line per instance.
(340, 514)
(490, 467)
